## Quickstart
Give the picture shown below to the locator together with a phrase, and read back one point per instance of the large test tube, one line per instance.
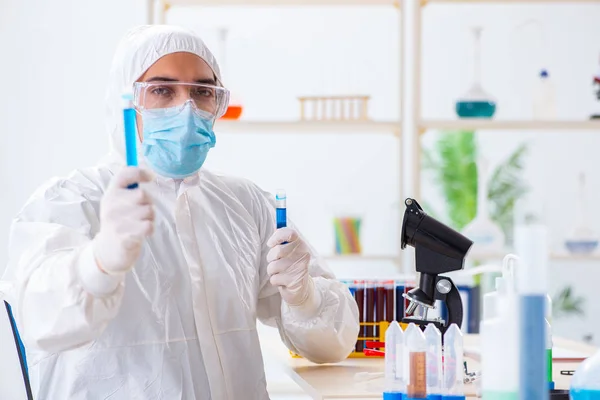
(415, 363)
(395, 386)
(433, 338)
(454, 386)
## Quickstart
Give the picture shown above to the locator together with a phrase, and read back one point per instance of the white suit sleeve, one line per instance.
(324, 330)
(60, 298)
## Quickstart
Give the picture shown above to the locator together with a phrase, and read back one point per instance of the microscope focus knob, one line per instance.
(444, 286)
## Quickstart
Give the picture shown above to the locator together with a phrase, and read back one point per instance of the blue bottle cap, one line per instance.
(393, 396)
(543, 73)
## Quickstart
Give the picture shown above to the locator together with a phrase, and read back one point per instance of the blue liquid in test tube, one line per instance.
(130, 133)
(280, 203)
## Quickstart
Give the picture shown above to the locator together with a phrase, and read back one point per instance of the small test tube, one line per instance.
(433, 338)
(389, 288)
(394, 383)
(399, 301)
(415, 362)
(129, 128)
(281, 209)
(280, 203)
(454, 386)
(370, 309)
(379, 306)
(359, 295)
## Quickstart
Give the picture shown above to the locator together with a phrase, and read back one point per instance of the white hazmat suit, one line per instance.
(182, 323)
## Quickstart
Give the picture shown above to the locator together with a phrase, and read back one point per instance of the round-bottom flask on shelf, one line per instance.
(476, 103)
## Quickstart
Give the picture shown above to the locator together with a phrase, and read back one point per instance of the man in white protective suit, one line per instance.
(154, 291)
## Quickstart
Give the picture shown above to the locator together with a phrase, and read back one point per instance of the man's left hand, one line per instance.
(288, 266)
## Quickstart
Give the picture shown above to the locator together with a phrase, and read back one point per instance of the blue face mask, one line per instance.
(177, 140)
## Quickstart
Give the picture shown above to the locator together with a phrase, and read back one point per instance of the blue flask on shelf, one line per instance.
(476, 103)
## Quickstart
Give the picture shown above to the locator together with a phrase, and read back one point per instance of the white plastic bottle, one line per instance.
(503, 283)
(491, 299)
(500, 343)
(544, 104)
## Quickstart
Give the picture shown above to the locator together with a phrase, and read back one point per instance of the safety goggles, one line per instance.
(162, 95)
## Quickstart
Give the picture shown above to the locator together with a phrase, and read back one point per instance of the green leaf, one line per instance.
(565, 303)
(506, 186)
(452, 162)
(456, 173)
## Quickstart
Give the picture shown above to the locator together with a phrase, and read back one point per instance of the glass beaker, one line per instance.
(476, 102)
(235, 108)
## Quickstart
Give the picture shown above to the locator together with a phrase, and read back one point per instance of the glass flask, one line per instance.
(476, 102)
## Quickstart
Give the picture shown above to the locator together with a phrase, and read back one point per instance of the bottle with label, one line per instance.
(544, 106)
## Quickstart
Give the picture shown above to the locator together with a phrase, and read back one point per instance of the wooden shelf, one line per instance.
(520, 2)
(283, 2)
(282, 127)
(559, 256)
(491, 124)
(575, 257)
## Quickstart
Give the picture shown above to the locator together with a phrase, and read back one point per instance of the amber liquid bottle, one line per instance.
(235, 108)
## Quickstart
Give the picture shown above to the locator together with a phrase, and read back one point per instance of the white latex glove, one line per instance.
(288, 266)
(126, 219)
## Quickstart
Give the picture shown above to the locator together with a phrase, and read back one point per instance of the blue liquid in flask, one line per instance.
(475, 109)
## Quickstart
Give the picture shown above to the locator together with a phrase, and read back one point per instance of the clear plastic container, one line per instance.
(585, 384)
(395, 386)
(500, 352)
(454, 373)
(433, 338)
(415, 367)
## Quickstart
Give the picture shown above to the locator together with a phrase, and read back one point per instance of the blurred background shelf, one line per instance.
(575, 257)
(558, 256)
(482, 124)
(280, 127)
(520, 2)
(281, 3)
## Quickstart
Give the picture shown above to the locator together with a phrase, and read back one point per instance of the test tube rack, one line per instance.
(376, 310)
(334, 108)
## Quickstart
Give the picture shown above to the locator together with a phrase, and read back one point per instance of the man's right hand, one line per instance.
(126, 219)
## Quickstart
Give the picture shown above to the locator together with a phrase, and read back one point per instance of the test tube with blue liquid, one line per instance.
(454, 386)
(281, 211)
(129, 126)
(395, 385)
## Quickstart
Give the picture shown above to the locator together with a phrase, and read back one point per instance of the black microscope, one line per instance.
(438, 249)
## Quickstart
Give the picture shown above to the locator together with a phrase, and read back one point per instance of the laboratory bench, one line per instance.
(336, 381)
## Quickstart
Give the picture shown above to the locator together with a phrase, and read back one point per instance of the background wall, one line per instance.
(56, 57)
